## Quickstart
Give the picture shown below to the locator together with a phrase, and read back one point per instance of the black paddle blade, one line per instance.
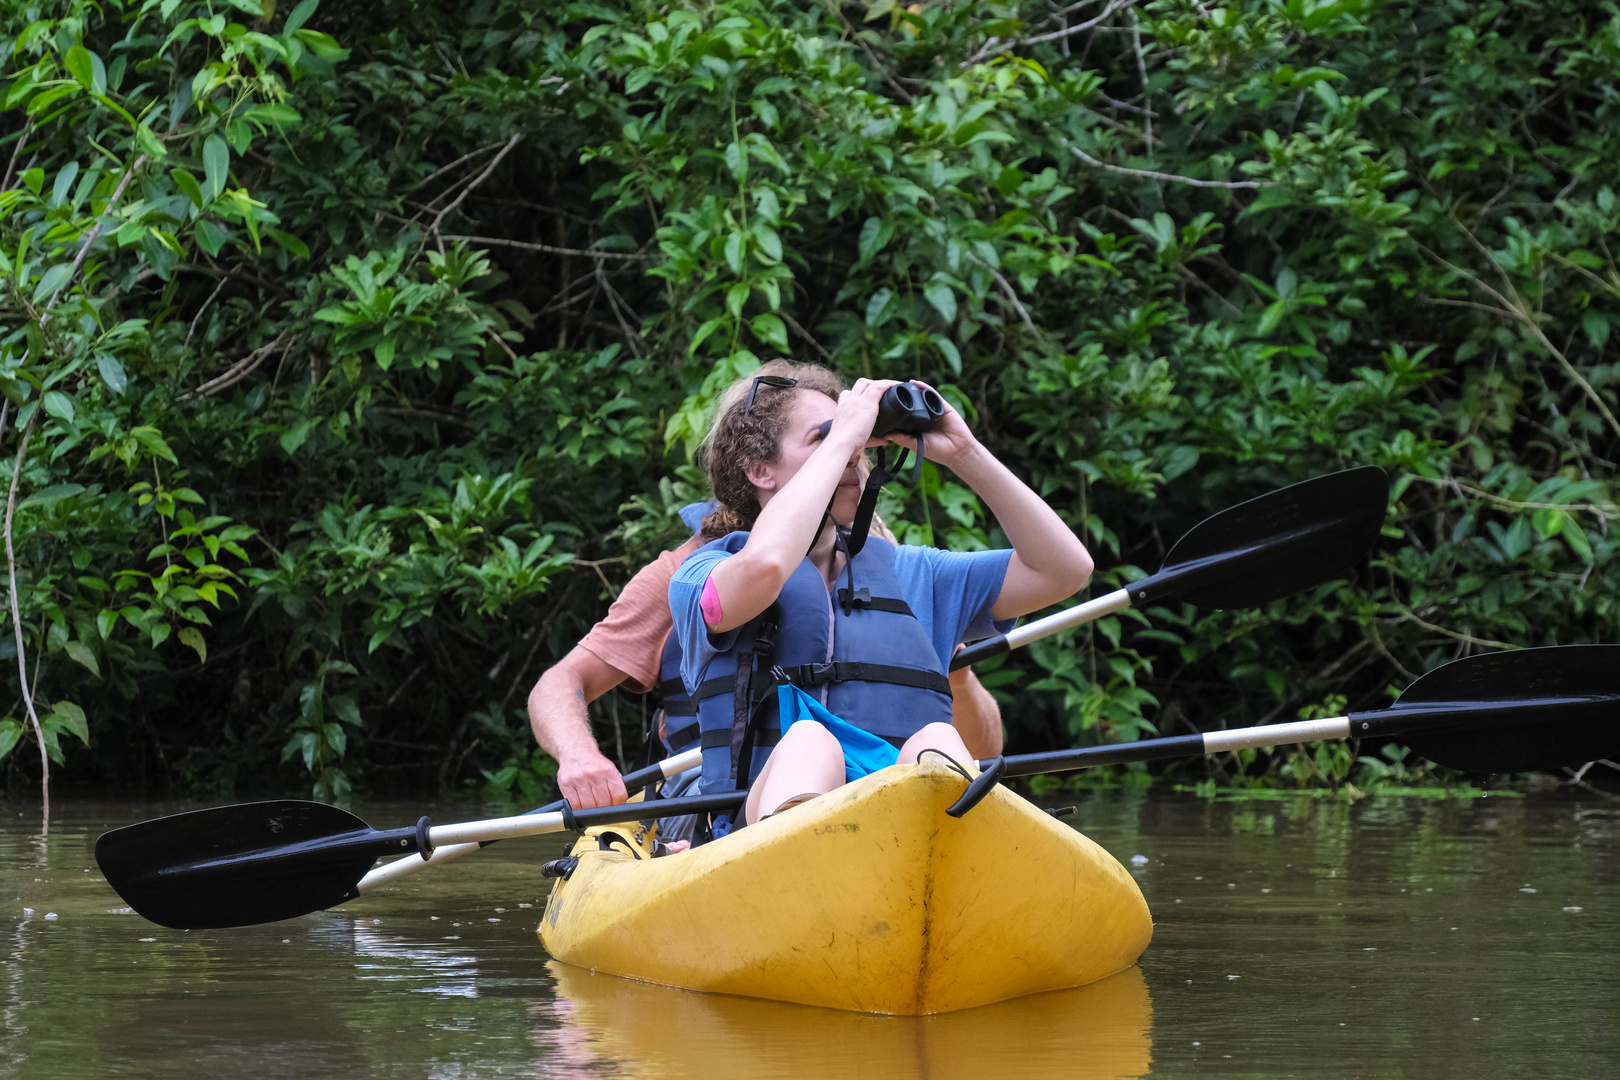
(1526, 711)
(1275, 545)
(244, 864)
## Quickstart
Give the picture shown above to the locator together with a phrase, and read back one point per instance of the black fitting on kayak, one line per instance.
(1060, 811)
(570, 822)
(563, 867)
(980, 787)
(424, 846)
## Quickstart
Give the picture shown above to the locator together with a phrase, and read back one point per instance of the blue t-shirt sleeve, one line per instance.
(698, 646)
(952, 592)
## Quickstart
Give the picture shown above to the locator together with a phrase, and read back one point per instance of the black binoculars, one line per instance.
(904, 409)
(908, 409)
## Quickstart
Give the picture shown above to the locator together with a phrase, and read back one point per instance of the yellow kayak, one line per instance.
(869, 898)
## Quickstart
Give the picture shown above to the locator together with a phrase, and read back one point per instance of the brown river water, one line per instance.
(1392, 937)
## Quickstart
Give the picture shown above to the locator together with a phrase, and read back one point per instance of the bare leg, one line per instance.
(944, 738)
(808, 761)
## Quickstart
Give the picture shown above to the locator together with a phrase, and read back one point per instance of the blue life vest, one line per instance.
(680, 714)
(863, 654)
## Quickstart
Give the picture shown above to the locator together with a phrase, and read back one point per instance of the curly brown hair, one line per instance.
(741, 438)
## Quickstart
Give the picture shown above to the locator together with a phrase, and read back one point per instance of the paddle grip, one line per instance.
(980, 650)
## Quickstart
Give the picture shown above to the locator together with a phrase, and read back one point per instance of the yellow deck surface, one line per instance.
(869, 899)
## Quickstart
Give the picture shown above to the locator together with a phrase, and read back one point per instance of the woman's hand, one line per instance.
(857, 414)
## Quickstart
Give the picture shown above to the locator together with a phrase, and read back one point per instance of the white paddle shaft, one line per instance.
(1218, 742)
(1078, 615)
(446, 850)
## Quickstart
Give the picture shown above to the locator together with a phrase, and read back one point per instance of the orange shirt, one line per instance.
(631, 636)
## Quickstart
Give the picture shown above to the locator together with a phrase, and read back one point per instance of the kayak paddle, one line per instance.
(259, 862)
(1523, 711)
(1250, 554)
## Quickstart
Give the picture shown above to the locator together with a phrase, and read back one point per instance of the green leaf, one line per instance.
(943, 297)
(1597, 327)
(77, 62)
(947, 349)
(346, 709)
(736, 297)
(289, 242)
(770, 329)
(737, 161)
(11, 733)
(112, 373)
(150, 143)
(81, 653)
(703, 333)
(70, 718)
(1575, 537)
(300, 15)
(216, 165)
(151, 438)
(188, 184)
(294, 437)
(210, 237)
(192, 637)
(874, 235)
(59, 405)
(52, 280)
(734, 252)
(875, 307)
(51, 495)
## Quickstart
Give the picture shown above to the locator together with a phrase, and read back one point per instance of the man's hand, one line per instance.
(589, 779)
(557, 713)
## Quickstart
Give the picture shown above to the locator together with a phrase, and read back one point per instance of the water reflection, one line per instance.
(1387, 938)
(605, 1025)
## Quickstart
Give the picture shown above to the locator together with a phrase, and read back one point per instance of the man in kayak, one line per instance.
(626, 646)
(784, 460)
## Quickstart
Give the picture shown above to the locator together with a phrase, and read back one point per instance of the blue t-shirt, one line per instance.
(950, 592)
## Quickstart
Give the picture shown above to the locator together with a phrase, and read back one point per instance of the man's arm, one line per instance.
(563, 729)
(975, 715)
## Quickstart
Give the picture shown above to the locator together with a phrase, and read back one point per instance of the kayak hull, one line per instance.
(869, 899)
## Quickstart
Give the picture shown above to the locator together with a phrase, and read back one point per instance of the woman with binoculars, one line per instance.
(796, 631)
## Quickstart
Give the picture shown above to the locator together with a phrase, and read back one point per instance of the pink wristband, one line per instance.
(709, 603)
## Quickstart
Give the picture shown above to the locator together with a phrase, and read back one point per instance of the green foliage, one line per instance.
(344, 333)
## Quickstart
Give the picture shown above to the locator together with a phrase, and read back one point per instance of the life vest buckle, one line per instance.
(805, 676)
(850, 599)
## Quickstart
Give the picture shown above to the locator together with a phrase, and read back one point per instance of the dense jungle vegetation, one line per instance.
(353, 353)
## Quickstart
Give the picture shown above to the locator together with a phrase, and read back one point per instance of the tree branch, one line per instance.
(16, 614)
(524, 245)
(1150, 174)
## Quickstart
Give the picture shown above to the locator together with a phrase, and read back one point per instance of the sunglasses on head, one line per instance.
(777, 382)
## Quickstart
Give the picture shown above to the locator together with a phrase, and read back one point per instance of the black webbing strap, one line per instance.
(720, 684)
(880, 475)
(863, 598)
(669, 688)
(808, 675)
(757, 638)
(741, 707)
(721, 737)
(680, 740)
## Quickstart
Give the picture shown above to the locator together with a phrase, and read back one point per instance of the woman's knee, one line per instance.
(810, 736)
(941, 737)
